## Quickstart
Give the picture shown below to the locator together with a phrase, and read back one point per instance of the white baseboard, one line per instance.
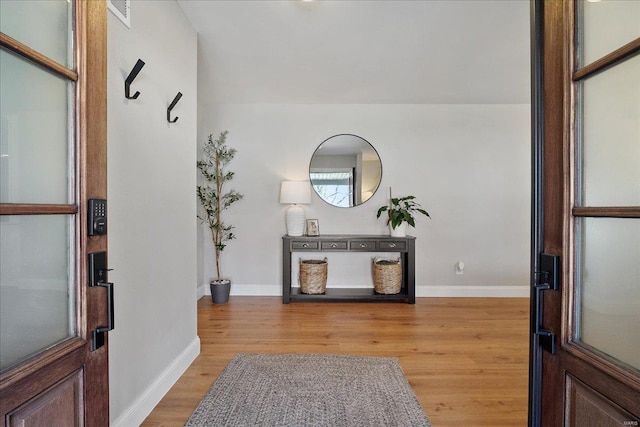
(478, 291)
(142, 407)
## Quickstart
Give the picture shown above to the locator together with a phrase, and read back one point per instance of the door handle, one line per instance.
(98, 278)
(97, 335)
(111, 317)
(549, 280)
(546, 338)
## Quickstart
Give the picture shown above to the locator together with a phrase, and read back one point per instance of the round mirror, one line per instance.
(345, 170)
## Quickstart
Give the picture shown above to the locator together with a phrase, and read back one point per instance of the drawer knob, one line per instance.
(392, 245)
(334, 245)
(305, 245)
(363, 245)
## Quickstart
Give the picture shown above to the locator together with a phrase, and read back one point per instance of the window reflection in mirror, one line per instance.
(345, 170)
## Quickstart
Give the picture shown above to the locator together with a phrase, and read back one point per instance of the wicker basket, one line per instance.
(313, 276)
(387, 276)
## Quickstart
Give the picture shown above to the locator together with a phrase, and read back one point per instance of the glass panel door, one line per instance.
(606, 26)
(38, 221)
(35, 140)
(609, 295)
(611, 136)
(36, 271)
(606, 205)
(43, 25)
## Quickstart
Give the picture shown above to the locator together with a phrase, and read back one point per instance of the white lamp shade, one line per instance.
(295, 192)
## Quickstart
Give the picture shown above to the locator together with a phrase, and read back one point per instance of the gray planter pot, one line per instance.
(220, 290)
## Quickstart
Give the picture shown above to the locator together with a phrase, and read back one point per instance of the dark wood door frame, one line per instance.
(82, 374)
(93, 135)
(548, 115)
(547, 146)
(554, 380)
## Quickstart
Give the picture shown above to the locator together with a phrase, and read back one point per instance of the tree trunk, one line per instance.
(219, 231)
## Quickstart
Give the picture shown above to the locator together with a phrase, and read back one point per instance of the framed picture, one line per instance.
(313, 227)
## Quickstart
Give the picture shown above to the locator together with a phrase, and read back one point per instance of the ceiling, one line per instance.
(362, 52)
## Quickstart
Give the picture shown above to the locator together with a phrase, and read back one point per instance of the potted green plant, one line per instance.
(214, 200)
(401, 212)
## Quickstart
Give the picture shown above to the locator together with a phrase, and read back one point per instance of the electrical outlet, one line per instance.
(459, 267)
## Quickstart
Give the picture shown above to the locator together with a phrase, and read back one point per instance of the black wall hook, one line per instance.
(130, 78)
(173, 104)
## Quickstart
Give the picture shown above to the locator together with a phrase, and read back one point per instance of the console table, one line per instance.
(350, 243)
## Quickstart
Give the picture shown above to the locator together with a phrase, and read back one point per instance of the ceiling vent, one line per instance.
(122, 9)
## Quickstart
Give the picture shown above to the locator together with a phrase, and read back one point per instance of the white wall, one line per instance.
(152, 207)
(467, 164)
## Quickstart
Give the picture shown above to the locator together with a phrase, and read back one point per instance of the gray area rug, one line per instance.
(310, 390)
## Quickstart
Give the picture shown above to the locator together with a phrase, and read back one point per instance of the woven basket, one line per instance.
(313, 276)
(387, 276)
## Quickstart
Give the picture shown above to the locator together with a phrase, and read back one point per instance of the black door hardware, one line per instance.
(97, 217)
(98, 277)
(548, 280)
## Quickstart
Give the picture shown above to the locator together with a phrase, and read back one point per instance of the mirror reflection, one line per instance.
(345, 170)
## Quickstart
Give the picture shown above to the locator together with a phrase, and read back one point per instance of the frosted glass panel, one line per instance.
(611, 136)
(34, 133)
(43, 25)
(609, 287)
(36, 285)
(608, 25)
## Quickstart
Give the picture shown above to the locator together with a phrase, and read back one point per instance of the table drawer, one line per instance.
(363, 245)
(338, 245)
(303, 245)
(397, 245)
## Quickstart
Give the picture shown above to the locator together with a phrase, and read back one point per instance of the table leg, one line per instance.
(286, 272)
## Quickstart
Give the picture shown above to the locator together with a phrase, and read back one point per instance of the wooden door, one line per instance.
(52, 160)
(585, 346)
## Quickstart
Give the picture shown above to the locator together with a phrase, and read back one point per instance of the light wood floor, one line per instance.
(466, 358)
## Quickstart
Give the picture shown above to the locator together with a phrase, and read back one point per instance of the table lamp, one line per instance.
(295, 193)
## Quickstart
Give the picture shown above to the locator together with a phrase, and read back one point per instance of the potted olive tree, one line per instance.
(214, 200)
(401, 212)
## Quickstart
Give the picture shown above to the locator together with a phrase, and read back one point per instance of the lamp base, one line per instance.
(295, 220)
